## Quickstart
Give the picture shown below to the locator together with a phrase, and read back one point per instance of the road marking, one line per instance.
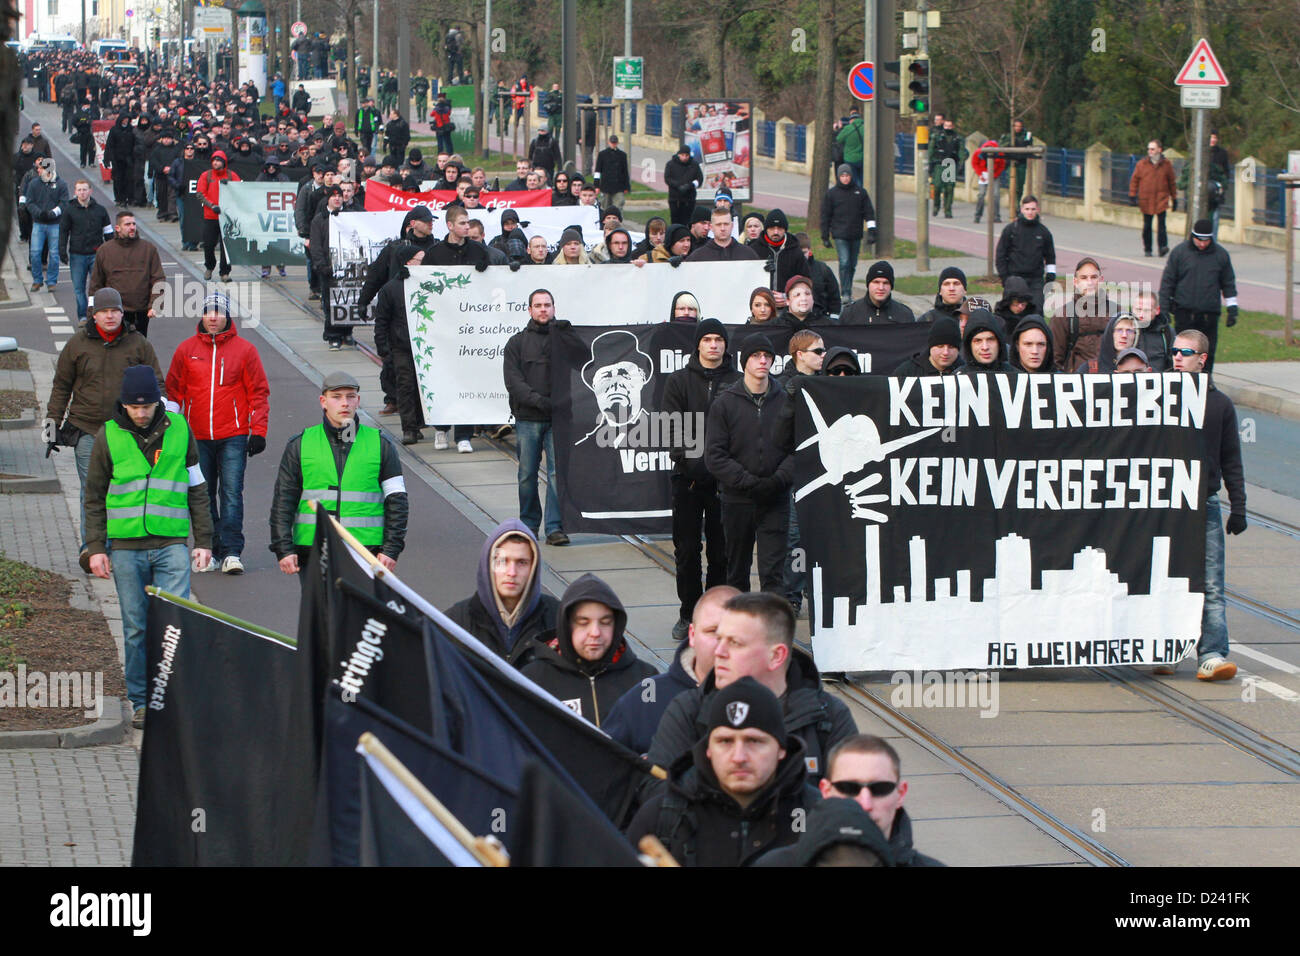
(61, 329)
(1277, 690)
(53, 308)
(1269, 659)
(58, 344)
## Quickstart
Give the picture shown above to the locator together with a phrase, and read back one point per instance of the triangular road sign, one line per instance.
(1201, 68)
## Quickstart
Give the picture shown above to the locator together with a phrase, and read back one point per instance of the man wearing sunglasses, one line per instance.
(865, 769)
(1222, 463)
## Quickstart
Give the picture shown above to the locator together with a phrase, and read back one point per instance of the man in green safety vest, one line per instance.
(347, 469)
(145, 497)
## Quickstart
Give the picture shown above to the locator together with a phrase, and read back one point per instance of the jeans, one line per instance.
(45, 235)
(696, 511)
(1214, 616)
(223, 461)
(167, 569)
(81, 451)
(80, 267)
(212, 245)
(847, 250)
(1206, 322)
(1161, 237)
(744, 523)
(1214, 223)
(795, 581)
(857, 173)
(533, 438)
(444, 140)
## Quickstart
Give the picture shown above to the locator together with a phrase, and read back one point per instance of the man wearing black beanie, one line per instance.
(689, 393)
(879, 304)
(745, 453)
(942, 352)
(736, 793)
(951, 295)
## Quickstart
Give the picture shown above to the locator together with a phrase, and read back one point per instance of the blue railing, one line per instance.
(796, 143)
(1064, 173)
(767, 139)
(654, 120)
(1116, 171)
(904, 154)
(1273, 212)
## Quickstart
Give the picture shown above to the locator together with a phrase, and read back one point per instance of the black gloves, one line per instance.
(871, 235)
(1173, 206)
(256, 445)
(514, 265)
(826, 240)
(481, 266)
(1236, 523)
(769, 266)
(1132, 200)
(674, 261)
(1232, 316)
(50, 435)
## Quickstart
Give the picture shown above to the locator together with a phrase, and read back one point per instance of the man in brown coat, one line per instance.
(132, 266)
(1152, 190)
(87, 379)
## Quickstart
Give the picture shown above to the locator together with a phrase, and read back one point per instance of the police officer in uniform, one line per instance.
(348, 469)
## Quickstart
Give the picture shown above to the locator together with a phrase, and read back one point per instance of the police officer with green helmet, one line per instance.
(347, 469)
(145, 497)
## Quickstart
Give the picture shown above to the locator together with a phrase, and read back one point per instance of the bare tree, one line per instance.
(824, 110)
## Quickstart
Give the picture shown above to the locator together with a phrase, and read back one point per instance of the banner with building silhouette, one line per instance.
(1002, 521)
(257, 224)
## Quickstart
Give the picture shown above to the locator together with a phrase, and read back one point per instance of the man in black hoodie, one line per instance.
(738, 792)
(983, 349)
(544, 153)
(689, 393)
(1026, 249)
(879, 304)
(1016, 303)
(586, 661)
(166, 151)
(393, 340)
(508, 611)
(753, 469)
(841, 834)
(1031, 346)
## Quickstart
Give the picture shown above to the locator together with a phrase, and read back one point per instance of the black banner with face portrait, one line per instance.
(612, 440)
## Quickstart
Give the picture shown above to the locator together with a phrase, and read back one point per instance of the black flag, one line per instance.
(227, 767)
(551, 828)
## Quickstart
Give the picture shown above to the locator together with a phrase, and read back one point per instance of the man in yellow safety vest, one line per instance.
(347, 469)
(145, 496)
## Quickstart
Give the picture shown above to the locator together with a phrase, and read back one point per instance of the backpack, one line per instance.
(674, 812)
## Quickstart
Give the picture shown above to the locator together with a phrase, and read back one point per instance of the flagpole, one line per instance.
(356, 545)
(220, 616)
(485, 851)
(656, 851)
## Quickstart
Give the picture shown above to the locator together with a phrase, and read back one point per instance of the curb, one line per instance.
(30, 486)
(26, 420)
(1262, 398)
(113, 727)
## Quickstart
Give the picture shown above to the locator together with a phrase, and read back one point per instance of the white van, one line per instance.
(100, 47)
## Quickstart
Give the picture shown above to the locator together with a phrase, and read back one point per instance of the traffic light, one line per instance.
(900, 68)
(918, 101)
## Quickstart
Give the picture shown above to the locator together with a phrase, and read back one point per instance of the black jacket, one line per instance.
(782, 262)
(681, 178)
(382, 269)
(844, 210)
(735, 251)
(162, 156)
(1194, 280)
(42, 199)
(832, 822)
(1026, 323)
(1157, 341)
(391, 329)
(319, 248)
(544, 153)
(826, 288)
(300, 207)
(590, 688)
(700, 824)
(691, 391)
(467, 253)
(1015, 287)
(1025, 249)
(119, 146)
(981, 320)
(866, 312)
(478, 613)
(919, 364)
(611, 172)
(1223, 450)
(743, 449)
(527, 372)
(811, 714)
(636, 715)
(288, 490)
(814, 319)
(83, 229)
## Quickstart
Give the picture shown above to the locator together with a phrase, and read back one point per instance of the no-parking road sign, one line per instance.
(862, 81)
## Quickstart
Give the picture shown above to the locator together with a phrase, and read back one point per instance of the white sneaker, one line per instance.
(439, 440)
(464, 447)
(1216, 668)
(211, 566)
(232, 565)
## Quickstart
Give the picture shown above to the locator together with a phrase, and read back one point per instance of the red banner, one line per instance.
(381, 198)
(99, 130)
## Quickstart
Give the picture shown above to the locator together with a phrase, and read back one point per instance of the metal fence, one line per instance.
(767, 139)
(1116, 171)
(1064, 173)
(654, 119)
(796, 143)
(1267, 187)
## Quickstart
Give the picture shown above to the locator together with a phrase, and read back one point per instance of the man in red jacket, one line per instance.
(209, 192)
(217, 379)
